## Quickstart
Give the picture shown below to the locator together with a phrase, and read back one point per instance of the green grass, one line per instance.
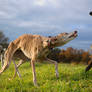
(71, 79)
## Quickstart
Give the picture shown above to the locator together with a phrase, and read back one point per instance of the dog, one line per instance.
(90, 13)
(36, 48)
(90, 64)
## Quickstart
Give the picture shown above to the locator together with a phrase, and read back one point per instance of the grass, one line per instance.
(71, 79)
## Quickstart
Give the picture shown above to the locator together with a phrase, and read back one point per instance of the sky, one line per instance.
(48, 18)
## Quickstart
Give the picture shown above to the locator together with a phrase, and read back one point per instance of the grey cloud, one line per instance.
(48, 17)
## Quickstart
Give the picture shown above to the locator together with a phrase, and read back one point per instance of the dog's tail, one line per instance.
(88, 67)
(8, 56)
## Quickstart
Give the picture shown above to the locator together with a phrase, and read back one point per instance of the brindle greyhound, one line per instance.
(36, 48)
(90, 64)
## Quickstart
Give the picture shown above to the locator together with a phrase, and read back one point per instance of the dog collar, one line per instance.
(50, 45)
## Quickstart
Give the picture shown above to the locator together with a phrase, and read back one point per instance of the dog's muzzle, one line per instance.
(74, 34)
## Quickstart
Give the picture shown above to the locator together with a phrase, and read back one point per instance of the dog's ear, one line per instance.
(53, 39)
(90, 13)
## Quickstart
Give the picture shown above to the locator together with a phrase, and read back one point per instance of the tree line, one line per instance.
(70, 55)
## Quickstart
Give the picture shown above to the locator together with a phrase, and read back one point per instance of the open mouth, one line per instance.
(74, 34)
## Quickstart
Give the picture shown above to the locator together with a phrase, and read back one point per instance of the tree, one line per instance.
(85, 57)
(3, 40)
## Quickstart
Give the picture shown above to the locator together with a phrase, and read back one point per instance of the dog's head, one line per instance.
(62, 38)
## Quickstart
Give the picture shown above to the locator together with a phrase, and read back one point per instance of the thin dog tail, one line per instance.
(8, 56)
(88, 67)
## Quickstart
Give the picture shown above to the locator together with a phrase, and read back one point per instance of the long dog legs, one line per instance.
(56, 66)
(8, 56)
(5, 66)
(16, 70)
(33, 71)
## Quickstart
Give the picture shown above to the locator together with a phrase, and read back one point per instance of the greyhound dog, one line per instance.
(90, 64)
(36, 48)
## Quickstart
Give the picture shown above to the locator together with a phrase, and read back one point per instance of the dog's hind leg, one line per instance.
(8, 56)
(5, 66)
(56, 66)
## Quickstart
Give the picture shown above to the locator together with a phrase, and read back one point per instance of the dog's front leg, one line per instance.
(20, 63)
(33, 71)
(56, 66)
(16, 70)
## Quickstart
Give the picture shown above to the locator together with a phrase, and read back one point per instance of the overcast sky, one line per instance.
(48, 17)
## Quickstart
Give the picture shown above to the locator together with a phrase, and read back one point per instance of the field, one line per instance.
(72, 78)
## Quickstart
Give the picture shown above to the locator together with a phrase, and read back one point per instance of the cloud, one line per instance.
(39, 2)
(36, 24)
(46, 3)
(47, 17)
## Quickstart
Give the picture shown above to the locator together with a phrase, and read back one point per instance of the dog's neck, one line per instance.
(50, 46)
